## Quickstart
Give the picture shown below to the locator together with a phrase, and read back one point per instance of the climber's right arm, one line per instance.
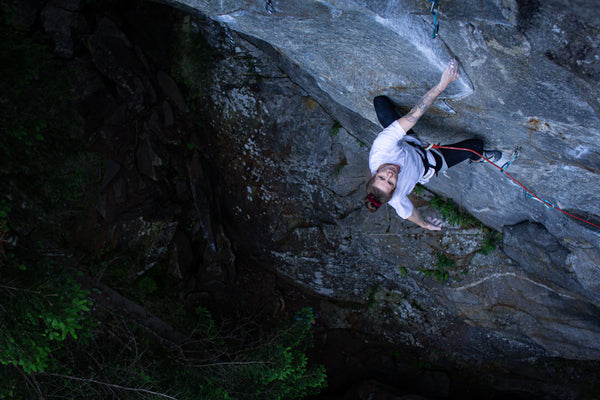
(450, 75)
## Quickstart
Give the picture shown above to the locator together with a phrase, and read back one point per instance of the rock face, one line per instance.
(529, 77)
(276, 173)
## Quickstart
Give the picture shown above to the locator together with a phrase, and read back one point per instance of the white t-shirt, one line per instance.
(390, 147)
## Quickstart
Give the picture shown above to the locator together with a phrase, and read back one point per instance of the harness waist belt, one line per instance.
(423, 155)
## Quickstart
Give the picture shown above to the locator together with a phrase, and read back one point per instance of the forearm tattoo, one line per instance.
(419, 109)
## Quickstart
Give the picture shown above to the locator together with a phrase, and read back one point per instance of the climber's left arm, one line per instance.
(433, 224)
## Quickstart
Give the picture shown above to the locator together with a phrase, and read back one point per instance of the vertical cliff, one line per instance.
(251, 148)
(529, 78)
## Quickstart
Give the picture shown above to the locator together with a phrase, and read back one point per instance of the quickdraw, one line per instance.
(269, 7)
(436, 24)
(546, 203)
(528, 193)
(514, 156)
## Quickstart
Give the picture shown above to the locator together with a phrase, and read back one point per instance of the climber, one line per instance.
(399, 161)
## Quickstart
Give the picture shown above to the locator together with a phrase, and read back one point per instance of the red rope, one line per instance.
(546, 203)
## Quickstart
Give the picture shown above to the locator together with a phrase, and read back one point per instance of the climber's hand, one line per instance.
(433, 224)
(450, 74)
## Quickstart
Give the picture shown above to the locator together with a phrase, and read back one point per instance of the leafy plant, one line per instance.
(361, 144)
(37, 313)
(287, 375)
(192, 67)
(418, 190)
(31, 129)
(490, 242)
(339, 166)
(48, 347)
(335, 129)
(271, 365)
(42, 308)
(3, 233)
(42, 163)
(443, 267)
(147, 285)
(451, 213)
(4, 208)
(371, 298)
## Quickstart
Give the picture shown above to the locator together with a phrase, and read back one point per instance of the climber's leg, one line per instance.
(453, 157)
(386, 111)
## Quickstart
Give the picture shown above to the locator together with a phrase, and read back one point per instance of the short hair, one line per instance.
(375, 196)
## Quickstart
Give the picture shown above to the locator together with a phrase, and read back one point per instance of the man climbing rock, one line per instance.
(399, 161)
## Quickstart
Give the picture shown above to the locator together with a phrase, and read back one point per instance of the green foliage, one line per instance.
(490, 242)
(421, 364)
(451, 213)
(362, 144)
(37, 312)
(41, 307)
(147, 285)
(443, 267)
(206, 325)
(80, 173)
(3, 234)
(339, 166)
(335, 129)
(4, 208)
(50, 347)
(41, 160)
(29, 128)
(191, 68)
(418, 190)
(371, 298)
(272, 366)
(252, 72)
(240, 362)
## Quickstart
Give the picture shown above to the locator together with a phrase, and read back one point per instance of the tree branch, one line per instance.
(112, 385)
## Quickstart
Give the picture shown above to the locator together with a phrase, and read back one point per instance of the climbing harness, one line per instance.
(528, 193)
(436, 24)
